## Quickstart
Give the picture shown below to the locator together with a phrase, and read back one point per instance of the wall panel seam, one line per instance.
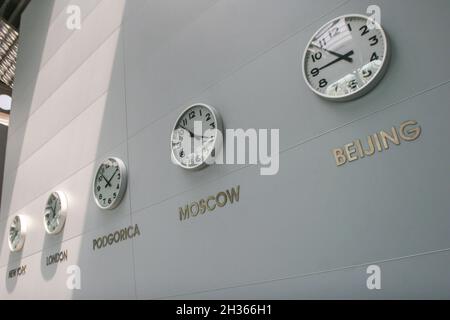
(24, 122)
(316, 273)
(295, 146)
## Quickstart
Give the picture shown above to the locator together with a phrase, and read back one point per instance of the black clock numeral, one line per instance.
(349, 27)
(208, 116)
(118, 186)
(98, 188)
(200, 111)
(322, 43)
(316, 56)
(192, 115)
(323, 83)
(100, 178)
(100, 196)
(333, 32)
(184, 122)
(374, 40)
(109, 200)
(374, 57)
(104, 201)
(352, 84)
(212, 125)
(364, 30)
(366, 73)
(315, 72)
(115, 195)
(118, 176)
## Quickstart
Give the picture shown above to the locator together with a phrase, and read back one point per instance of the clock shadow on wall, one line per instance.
(54, 242)
(14, 262)
(15, 259)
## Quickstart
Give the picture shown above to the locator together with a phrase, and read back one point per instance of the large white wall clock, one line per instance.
(194, 150)
(110, 183)
(17, 233)
(55, 212)
(346, 58)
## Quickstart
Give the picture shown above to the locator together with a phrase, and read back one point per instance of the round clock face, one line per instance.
(195, 136)
(17, 231)
(110, 183)
(55, 212)
(346, 58)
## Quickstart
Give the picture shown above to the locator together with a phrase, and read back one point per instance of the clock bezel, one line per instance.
(217, 144)
(376, 77)
(62, 212)
(123, 184)
(23, 232)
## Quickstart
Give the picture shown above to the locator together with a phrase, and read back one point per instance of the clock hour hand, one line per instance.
(334, 53)
(109, 181)
(345, 56)
(342, 56)
(190, 133)
(194, 135)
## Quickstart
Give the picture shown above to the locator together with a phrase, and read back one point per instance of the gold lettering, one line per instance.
(385, 137)
(194, 205)
(233, 195)
(184, 214)
(207, 203)
(411, 134)
(407, 131)
(351, 152)
(371, 150)
(224, 196)
(339, 157)
(202, 204)
(359, 147)
(377, 142)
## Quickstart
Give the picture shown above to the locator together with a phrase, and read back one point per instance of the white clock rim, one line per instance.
(219, 127)
(23, 231)
(375, 79)
(123, 184)
(62, 213)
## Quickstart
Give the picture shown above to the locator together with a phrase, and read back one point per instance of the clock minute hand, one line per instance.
(334, 53)
(107, 182)
(347, 55)
(342, 56)
(112, 176)
(190, 133)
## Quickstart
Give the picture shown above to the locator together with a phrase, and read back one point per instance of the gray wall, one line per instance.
(115, 88)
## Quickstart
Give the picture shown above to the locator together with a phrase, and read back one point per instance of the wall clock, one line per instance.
(192, 150)
(110, 183)
(55, 212)
(346, 58)
(17, 233)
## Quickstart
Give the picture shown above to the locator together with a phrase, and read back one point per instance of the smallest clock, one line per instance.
(17, 233)
(110, 183)
(55, 213)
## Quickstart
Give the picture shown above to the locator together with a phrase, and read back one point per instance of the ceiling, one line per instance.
(10, 13)
(11, 10)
